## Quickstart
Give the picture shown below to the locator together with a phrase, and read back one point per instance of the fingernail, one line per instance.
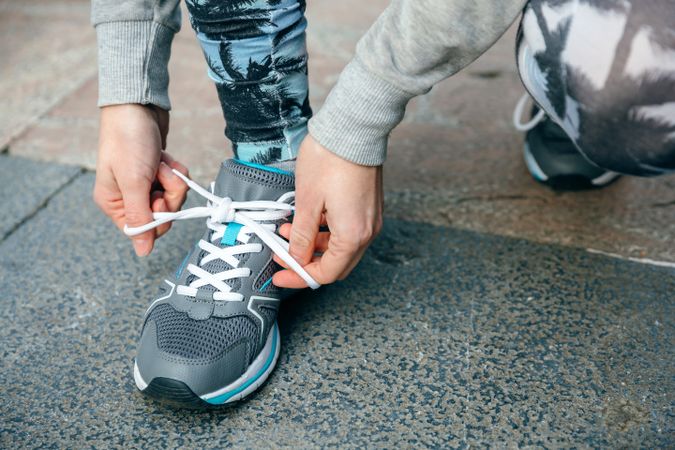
(142, 247)
(166, 170)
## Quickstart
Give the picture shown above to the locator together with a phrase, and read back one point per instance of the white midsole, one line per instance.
(253, 369)
(140, 382)
(604, 178)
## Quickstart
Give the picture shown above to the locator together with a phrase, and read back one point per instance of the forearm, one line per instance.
(413, 45)
(134, 45)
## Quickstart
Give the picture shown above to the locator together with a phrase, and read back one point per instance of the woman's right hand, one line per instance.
(133, 172)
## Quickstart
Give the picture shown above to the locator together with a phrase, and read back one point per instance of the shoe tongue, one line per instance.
(247, 181)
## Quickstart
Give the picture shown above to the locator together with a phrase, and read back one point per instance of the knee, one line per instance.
(620, 129)
(231, 21)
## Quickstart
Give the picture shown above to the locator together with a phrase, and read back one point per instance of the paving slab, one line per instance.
(48, 49)
(26, 186)
(441, 338)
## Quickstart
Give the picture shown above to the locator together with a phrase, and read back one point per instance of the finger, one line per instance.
(175, 189)
(118, 218)
(321, 246)
(280, 261)
(108, 197)
(336, 259)
(171, 162)
(325, 269)
(285, 231)
(116, 214)
(304, 229)
(288, 279)
(136, 213)
(158, 204)
(111, 204)
(354, 263)
(321, 242)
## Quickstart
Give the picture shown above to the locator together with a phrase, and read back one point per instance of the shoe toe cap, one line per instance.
(202, 374)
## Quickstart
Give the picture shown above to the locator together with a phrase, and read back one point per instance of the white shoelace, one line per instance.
(518, 114)
(222, 210)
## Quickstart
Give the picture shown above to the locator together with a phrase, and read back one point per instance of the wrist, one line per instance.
(133, 125)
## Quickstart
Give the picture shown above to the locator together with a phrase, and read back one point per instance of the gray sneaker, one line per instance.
(212, 337)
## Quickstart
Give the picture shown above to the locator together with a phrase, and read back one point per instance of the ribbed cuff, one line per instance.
(133, 58)
(358, 115)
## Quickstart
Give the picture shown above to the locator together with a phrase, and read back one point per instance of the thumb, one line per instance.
(175, 189)
(304, 230)
(137, 212)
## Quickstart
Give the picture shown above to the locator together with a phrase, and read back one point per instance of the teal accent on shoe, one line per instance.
(262, 167)
(265, 284)
(231, 233)
(182, 265)
(222, 398)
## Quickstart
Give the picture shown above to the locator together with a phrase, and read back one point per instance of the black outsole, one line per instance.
(569, 183)
(573, 183)
(176, 394)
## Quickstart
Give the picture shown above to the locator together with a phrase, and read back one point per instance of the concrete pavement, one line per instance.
(442, 337)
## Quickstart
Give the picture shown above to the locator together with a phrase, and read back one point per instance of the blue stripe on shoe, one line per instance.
(179, 271)
(265, 284)
(262, 167)
(222, 398)
(231, 233)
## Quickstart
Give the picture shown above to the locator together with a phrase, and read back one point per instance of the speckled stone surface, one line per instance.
(47, 49)
(441, 338)
(25, 186)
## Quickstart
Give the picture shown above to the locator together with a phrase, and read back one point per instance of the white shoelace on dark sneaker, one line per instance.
(219, 212)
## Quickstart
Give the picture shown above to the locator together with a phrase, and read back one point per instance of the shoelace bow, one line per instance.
(219, 212)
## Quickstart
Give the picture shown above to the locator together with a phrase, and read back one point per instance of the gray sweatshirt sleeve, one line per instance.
(134, 44)
(413, 45)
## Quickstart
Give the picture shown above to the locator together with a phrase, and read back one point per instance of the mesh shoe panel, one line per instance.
(270, 315)
(270, 269)
(259, 176)
(179, 335)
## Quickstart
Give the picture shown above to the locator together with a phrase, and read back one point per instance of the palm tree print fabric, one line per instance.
(256, 54)
(606, 69)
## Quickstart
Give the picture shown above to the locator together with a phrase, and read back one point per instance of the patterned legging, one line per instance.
(256, 54)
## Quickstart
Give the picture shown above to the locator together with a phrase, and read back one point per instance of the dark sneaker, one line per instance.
(553, 159)
(212, 337)
(550, 155)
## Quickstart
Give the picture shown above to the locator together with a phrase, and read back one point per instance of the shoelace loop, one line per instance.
(222, 210)
(518, 114)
